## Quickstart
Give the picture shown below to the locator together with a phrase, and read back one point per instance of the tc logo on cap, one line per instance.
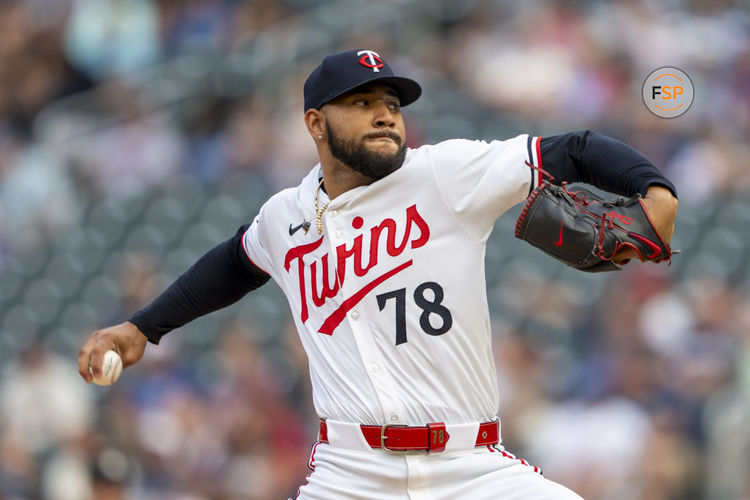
(370, 59)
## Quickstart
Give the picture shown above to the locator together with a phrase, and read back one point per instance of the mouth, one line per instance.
(384, 135)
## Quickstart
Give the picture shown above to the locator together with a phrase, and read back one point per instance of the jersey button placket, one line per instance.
(375, 366)
(373, 362)
(333, 229)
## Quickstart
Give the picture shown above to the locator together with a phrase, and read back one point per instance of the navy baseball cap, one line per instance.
(339, 73)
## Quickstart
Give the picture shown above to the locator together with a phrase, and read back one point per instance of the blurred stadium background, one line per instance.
(137, 134)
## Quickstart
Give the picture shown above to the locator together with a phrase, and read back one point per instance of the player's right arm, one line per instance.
(125, 339)
(218, 279)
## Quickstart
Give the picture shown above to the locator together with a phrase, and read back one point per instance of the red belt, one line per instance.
(431, 437)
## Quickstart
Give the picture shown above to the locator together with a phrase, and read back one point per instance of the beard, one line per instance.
(359, 158)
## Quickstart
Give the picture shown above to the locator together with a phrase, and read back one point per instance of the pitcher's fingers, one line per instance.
(84, 359)
(103, 342)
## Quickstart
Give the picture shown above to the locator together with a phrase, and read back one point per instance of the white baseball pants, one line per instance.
(351, 470)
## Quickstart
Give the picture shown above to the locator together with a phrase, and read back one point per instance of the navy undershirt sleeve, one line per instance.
(601, 161)
(218, 279)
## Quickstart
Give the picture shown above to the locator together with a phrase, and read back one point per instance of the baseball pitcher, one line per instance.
(380, 253)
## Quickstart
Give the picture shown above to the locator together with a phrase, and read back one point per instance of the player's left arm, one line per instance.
(613, 166)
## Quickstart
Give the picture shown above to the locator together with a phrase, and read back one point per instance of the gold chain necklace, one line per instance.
(319, 211)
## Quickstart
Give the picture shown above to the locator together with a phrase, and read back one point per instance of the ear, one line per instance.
(316, 124)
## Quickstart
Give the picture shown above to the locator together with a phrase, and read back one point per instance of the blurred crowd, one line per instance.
(626, 387)
(652, 401)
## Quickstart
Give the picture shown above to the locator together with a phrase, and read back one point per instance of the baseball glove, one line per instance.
(583, 230)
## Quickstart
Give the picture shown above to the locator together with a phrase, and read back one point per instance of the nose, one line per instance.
(383, 117)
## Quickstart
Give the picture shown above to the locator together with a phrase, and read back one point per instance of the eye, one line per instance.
(362, 102)
(394, 106)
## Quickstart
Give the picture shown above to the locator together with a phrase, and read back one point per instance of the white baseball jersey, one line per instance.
(390, 300)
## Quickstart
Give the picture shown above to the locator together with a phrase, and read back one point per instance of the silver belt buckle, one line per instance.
(383, 437)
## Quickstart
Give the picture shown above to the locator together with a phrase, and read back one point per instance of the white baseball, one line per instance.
(111, 369)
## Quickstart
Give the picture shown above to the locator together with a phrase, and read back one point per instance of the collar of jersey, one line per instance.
(309, 185)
